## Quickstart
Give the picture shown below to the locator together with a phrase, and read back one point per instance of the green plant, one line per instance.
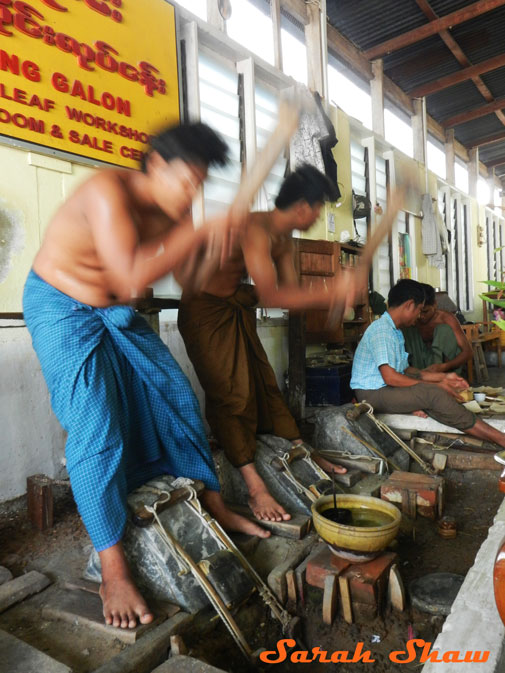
(498, 300)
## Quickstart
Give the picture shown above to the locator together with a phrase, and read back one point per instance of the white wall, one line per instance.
(31, 439)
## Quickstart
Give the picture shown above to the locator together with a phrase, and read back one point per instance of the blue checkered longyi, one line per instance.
(129, 411)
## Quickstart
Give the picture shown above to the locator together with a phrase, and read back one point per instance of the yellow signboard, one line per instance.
(91, 77)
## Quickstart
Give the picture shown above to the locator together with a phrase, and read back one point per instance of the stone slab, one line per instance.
(21, 587)
(184, 664)
(409, 422)
(474, 623)
(150, 651)
(16, 656)
(369, 485)
(85, 609)
(435, 593)
(277, 577)
(5, 575)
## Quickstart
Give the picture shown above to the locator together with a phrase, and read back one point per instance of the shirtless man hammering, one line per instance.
(219, 329)
(128, 409)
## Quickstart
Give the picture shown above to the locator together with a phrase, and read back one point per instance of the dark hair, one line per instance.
(193, 143)
(305, 184)
(429, 294)
(403, 291)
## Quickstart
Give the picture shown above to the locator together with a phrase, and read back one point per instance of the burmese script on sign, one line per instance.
(84, 78)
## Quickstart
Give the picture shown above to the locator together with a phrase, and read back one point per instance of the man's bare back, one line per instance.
(232, 273)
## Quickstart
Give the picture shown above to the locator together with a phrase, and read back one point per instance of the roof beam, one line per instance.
(432, 28)
(495, 162)
(474, 113)
(460, 56)
(460, 76)
(489, 140)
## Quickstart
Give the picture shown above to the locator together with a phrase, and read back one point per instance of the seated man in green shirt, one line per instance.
(436, 342)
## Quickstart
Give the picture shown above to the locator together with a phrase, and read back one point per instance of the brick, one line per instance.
(404, 488)
(368, 581)
(323, 564)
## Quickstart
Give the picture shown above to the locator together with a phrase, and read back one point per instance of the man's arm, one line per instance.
(462, 341)
(256, 247)
(451, 383)
(130, 264)
(393, 378)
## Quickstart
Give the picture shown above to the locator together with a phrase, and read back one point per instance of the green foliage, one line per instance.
(499, 285)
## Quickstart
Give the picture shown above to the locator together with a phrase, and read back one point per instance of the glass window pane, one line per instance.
(436, 159)
(251, 28)
(398, 132)
(294, 57)
(349, 97)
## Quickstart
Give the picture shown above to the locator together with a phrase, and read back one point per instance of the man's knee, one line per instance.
(431, 395)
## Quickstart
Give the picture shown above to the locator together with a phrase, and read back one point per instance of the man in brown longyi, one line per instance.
(219, 329)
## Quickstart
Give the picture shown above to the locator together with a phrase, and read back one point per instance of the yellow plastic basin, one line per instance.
(369, 538)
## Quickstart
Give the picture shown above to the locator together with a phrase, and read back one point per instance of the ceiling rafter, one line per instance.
(474, 113)
(488, 140)
(460, 56)
(433, 27)
(459, 76)
(495, 162)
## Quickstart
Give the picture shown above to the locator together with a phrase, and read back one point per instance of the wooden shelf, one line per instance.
(350, 248)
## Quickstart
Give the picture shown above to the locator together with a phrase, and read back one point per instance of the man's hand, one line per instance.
(452, 390)
(457, 382)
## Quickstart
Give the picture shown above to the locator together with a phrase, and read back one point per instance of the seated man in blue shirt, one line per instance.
(381, 374)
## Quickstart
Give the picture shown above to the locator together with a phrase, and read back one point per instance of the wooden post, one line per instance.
(314, 51)
(296, 368)
(491, 181)
(39, 491)
(450, 173)
(377, 92)
(473, 171)
(214, 15)
(418, 132)
(275, 13)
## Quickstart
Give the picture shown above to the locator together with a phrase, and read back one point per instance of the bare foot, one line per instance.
(262, 504)
(265, 507)
(229, 520)
(420, 413)
(123, 604)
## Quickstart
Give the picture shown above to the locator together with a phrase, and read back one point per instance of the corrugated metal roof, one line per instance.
(367, 23)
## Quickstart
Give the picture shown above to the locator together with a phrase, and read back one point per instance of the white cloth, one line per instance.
(434, 234)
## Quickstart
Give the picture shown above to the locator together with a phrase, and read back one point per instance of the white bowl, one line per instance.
(479, 397)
